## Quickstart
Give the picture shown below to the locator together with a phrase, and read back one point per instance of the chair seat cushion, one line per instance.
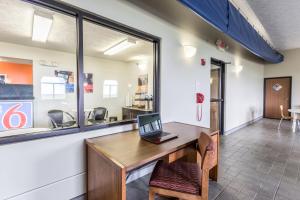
(177, 176)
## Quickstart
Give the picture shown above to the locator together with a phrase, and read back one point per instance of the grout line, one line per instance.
(278, 185)
(223, 189)
(275, 194)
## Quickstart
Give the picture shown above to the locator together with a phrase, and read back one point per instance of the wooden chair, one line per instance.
(184, 180)
(283, 117)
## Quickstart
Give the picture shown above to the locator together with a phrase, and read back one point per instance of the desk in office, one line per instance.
(110, 158)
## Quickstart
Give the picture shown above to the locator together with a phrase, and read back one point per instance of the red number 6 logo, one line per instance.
(10, 113)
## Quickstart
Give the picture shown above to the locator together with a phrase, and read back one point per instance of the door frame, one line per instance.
(265, 81)
(221, 64)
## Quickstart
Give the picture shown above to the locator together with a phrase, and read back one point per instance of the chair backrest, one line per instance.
(100, 113)
(205, 144)
(56, 117)
(281, 111)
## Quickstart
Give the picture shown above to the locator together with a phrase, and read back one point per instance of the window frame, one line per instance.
(80, 16)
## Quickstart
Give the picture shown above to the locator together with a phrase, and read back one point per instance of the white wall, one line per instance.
(54, 168)
(289, 67)
(243, 94)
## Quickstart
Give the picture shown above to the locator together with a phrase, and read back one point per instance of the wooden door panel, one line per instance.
(276, 97)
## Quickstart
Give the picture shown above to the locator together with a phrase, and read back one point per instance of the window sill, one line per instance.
(29, 135)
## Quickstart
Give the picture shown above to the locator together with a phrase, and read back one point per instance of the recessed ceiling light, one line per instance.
(139, 57)
(41, 26)
(121, 46)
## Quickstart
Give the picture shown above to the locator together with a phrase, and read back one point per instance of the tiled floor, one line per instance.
(256, 163)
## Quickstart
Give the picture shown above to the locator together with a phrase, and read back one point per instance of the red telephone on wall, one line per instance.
(199, 100)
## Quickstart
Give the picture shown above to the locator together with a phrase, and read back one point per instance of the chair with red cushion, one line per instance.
(184, 180)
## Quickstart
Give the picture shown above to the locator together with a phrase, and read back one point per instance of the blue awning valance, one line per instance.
(213, 11)
(223, 15)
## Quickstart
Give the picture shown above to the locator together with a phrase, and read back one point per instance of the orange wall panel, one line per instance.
(17, 73)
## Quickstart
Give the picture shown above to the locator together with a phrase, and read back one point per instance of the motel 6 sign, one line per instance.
(15, 115)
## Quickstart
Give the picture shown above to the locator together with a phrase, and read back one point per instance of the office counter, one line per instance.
(132, 112)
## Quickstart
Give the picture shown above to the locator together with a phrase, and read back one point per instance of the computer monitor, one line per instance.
(149, 123)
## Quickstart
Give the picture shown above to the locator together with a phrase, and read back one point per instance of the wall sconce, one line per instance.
(189, 51)
(238, 69)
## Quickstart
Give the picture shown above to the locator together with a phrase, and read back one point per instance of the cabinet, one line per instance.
(133, 112)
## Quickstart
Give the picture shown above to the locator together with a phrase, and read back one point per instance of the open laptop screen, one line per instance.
(149, 123)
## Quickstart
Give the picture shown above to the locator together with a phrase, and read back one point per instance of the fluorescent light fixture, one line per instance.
(41, 26)
(139, 57)
(189, 51)
(125, 44)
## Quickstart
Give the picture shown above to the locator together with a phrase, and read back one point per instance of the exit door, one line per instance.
(217, 85)
(277, 93)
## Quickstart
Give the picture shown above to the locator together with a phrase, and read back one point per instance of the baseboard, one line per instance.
(73, 187)
(61, 190)
(242, 126)
(81, 197)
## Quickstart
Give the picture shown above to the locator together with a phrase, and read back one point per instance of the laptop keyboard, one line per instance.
(157, 134)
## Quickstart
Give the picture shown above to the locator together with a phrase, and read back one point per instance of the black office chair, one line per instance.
(98, 115)
(57, 119)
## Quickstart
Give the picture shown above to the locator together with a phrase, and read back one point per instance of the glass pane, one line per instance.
(37, 69)
(215, 82)
(121, 67)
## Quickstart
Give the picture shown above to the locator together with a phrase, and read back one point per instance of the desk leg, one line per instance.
(106, 180)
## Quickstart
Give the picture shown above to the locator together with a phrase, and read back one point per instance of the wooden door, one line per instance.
(277, 92)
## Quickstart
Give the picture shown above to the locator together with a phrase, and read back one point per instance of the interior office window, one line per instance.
(110, 89)
(118, 72)
(37, 69)
(53, 88)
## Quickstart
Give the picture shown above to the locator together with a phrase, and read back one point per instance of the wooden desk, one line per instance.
(110, 158)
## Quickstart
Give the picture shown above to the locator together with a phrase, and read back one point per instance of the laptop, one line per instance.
(150, 129)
